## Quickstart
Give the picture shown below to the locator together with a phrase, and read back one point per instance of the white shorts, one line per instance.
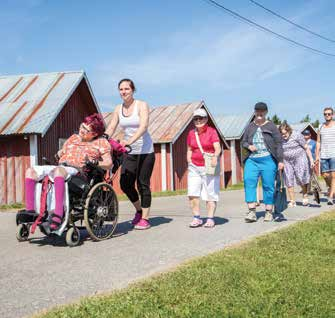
(43, 171)
(201, 185)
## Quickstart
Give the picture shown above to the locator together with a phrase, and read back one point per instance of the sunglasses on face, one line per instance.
(327, 114)
(198, 118)
(85, 129)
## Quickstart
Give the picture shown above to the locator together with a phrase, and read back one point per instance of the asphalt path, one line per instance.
(42, 273)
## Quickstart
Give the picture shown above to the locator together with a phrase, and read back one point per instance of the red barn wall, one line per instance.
(14, 160)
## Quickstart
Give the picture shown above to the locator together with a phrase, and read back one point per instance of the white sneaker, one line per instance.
(250, 217)
(268, 216)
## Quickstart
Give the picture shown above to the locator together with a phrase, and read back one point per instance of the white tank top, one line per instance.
(130, 125)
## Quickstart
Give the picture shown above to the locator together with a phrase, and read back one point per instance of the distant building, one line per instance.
(303, 126)
(232, 128)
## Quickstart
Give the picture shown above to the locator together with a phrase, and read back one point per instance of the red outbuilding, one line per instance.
(38, 112)
(169, 126)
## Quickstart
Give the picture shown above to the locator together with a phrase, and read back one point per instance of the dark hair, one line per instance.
(285, 126)
(131, 83)
(96, 122)
(329, 108)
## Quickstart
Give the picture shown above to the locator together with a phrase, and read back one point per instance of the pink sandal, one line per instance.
(196, 222)
(209, 223)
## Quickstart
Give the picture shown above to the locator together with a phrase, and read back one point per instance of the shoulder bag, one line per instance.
(210, 170)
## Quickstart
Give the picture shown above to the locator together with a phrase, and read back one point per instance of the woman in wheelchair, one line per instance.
(87, 145)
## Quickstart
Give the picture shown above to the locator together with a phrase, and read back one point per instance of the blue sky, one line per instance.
(178, 51)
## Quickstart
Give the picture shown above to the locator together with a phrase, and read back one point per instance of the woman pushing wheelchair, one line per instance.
(88, 145)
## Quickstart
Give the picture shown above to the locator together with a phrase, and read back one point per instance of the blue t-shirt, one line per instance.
(312, 145)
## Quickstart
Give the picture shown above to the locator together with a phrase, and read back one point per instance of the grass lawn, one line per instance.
(289, 273)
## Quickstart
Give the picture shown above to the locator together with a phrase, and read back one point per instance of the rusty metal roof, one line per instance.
(166, 123)
(30, 103)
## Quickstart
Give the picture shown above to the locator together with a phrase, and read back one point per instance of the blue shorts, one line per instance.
(328, 165)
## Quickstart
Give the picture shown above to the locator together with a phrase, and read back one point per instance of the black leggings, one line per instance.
(137, 168)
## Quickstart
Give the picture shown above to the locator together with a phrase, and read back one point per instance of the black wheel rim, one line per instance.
(102, 211)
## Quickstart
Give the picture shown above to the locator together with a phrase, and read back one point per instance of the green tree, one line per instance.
(316, 124)
(276, 120)
(306, 119)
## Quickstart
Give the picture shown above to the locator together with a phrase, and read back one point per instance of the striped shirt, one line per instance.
(327, 142)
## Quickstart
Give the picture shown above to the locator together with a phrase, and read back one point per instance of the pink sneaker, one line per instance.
(143, 224)
(137, 218)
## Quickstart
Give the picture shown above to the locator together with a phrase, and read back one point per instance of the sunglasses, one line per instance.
(198, 118)
(327, 114)
(87, 131)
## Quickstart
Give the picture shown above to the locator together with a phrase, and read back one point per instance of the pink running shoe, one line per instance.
(143, 224)
(137, 218)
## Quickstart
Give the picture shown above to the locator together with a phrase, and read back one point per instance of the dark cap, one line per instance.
(306, 132)
(261, 106)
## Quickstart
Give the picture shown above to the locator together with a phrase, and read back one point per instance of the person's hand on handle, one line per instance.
(252, 148)
(124, 143)
(280, 166)
(312, 164)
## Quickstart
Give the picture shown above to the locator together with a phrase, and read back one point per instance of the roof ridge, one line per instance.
(41, 73)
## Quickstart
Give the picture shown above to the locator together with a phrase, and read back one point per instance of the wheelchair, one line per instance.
(89, 198)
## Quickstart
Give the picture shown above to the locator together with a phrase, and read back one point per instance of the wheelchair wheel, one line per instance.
(22, 232)
(72, 237)
(101, 211)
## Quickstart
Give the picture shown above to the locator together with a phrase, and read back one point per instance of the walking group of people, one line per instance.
(270, 150)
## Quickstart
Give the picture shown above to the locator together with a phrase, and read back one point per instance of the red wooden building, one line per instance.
(38, 112)
(169, 126)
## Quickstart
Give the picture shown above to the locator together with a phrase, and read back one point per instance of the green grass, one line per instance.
(289, 273)
(12, 206)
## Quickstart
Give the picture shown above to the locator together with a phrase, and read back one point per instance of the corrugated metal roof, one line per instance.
(166, 123)
(30, 103)
(233, 126)
(302, 126)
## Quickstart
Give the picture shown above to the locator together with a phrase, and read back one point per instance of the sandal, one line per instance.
(209, 223)
(196, 222)
(292, 204)
(305, 201)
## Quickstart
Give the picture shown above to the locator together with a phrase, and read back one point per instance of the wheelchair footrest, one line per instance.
(25, 216)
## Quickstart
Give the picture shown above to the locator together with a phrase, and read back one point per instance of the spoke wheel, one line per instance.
(22, 232)
(101, 212)
(72, 236)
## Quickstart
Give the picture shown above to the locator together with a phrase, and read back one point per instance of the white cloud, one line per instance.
(220, 59)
